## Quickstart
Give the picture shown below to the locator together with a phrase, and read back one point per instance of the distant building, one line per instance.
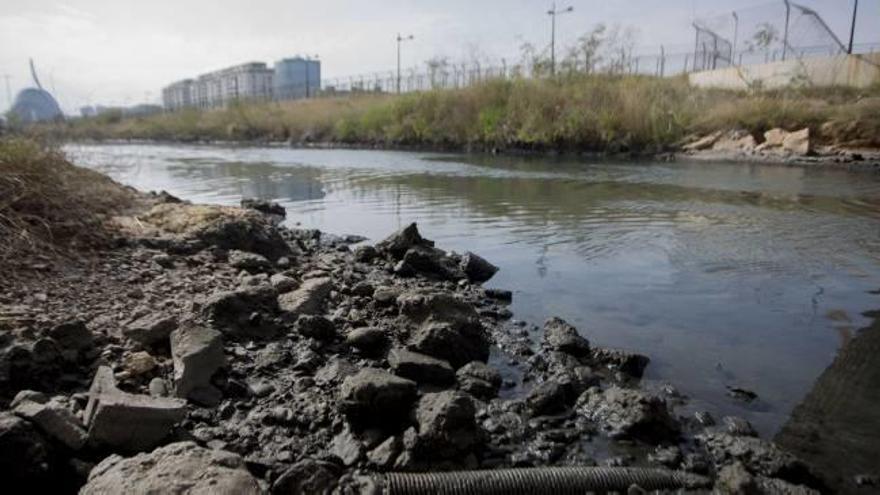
(251, 81)
(35, 105)
(178, 95)
(291, 78)
(141, 110)
(297, 77)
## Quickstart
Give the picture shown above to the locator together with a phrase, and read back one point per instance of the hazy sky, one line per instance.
(123, 51)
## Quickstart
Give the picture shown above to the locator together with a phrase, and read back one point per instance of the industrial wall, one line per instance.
(845, 70)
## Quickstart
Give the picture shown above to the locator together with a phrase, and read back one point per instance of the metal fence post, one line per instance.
(785, 36)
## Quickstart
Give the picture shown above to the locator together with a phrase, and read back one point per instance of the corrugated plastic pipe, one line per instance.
(540, 481)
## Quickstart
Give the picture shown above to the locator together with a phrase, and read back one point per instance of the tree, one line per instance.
(763, 39)
(438, 70)
(588, 46)
(617, 47)
(538, 65)
(584, 55)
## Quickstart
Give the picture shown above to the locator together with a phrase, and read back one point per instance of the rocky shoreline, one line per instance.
(211, 350)
(779, 147)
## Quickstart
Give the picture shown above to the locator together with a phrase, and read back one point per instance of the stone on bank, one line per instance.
(182, 467)
(197, 354)
(127, 422)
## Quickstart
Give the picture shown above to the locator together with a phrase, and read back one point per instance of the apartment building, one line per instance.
(251, 81)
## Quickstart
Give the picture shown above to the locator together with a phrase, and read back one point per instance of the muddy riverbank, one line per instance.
(843, 158)
(208, 346)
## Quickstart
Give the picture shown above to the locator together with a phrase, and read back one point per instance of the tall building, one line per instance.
(291, 78)
(178, 95)
(251, 81)
(297, 77)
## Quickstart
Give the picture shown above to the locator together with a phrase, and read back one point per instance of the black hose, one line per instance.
(544, 480)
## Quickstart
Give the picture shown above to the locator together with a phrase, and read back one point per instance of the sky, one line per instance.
(122, 52)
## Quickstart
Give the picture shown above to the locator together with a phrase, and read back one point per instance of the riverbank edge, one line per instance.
(161, 254)
(851, 160)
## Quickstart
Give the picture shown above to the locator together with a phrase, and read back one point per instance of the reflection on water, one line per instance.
(726, 275)
(837, 425)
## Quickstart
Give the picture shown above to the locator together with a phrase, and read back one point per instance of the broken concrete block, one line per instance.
(306, 300)
(182, 467)
(798, 142)
(703, 143)
(197, 353)
(55, 420)
(128, 422)
(150, 329)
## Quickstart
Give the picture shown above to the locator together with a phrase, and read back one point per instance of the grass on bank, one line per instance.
(597, 112)
(48, 205)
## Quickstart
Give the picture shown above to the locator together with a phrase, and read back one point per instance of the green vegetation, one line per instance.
(48, 205)
(575, 112)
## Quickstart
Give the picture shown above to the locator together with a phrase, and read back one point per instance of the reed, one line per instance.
(594, 112)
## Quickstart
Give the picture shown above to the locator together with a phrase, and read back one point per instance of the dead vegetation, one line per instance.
(49, 206)
(578, 112)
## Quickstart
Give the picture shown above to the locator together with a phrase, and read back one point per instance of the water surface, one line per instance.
(724, 274)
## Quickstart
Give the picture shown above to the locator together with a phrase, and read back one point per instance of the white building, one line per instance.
(251, 81)
(178, 95)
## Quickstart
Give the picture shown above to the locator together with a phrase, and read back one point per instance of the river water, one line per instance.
(724, 274)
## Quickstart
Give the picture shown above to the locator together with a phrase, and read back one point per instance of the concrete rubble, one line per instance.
(253, 358)
(128, 422)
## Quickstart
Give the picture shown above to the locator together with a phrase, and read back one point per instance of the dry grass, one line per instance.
(597, 112)
(313, 119)
(48, 205)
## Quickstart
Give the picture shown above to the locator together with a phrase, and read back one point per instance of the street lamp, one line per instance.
(553, 13)
(400, 39)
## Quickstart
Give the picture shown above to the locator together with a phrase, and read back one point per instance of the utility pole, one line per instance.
(553, 13)
(852, 30)
(785, 37)
(735, 36)
(400, 39)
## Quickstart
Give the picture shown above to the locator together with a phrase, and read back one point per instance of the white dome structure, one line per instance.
(35, 105)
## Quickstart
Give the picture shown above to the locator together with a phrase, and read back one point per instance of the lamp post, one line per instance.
(400, 39)
(852, 30)
(553, 13)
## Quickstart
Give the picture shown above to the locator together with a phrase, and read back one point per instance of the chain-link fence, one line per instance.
(765, 33)
(775, 31)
